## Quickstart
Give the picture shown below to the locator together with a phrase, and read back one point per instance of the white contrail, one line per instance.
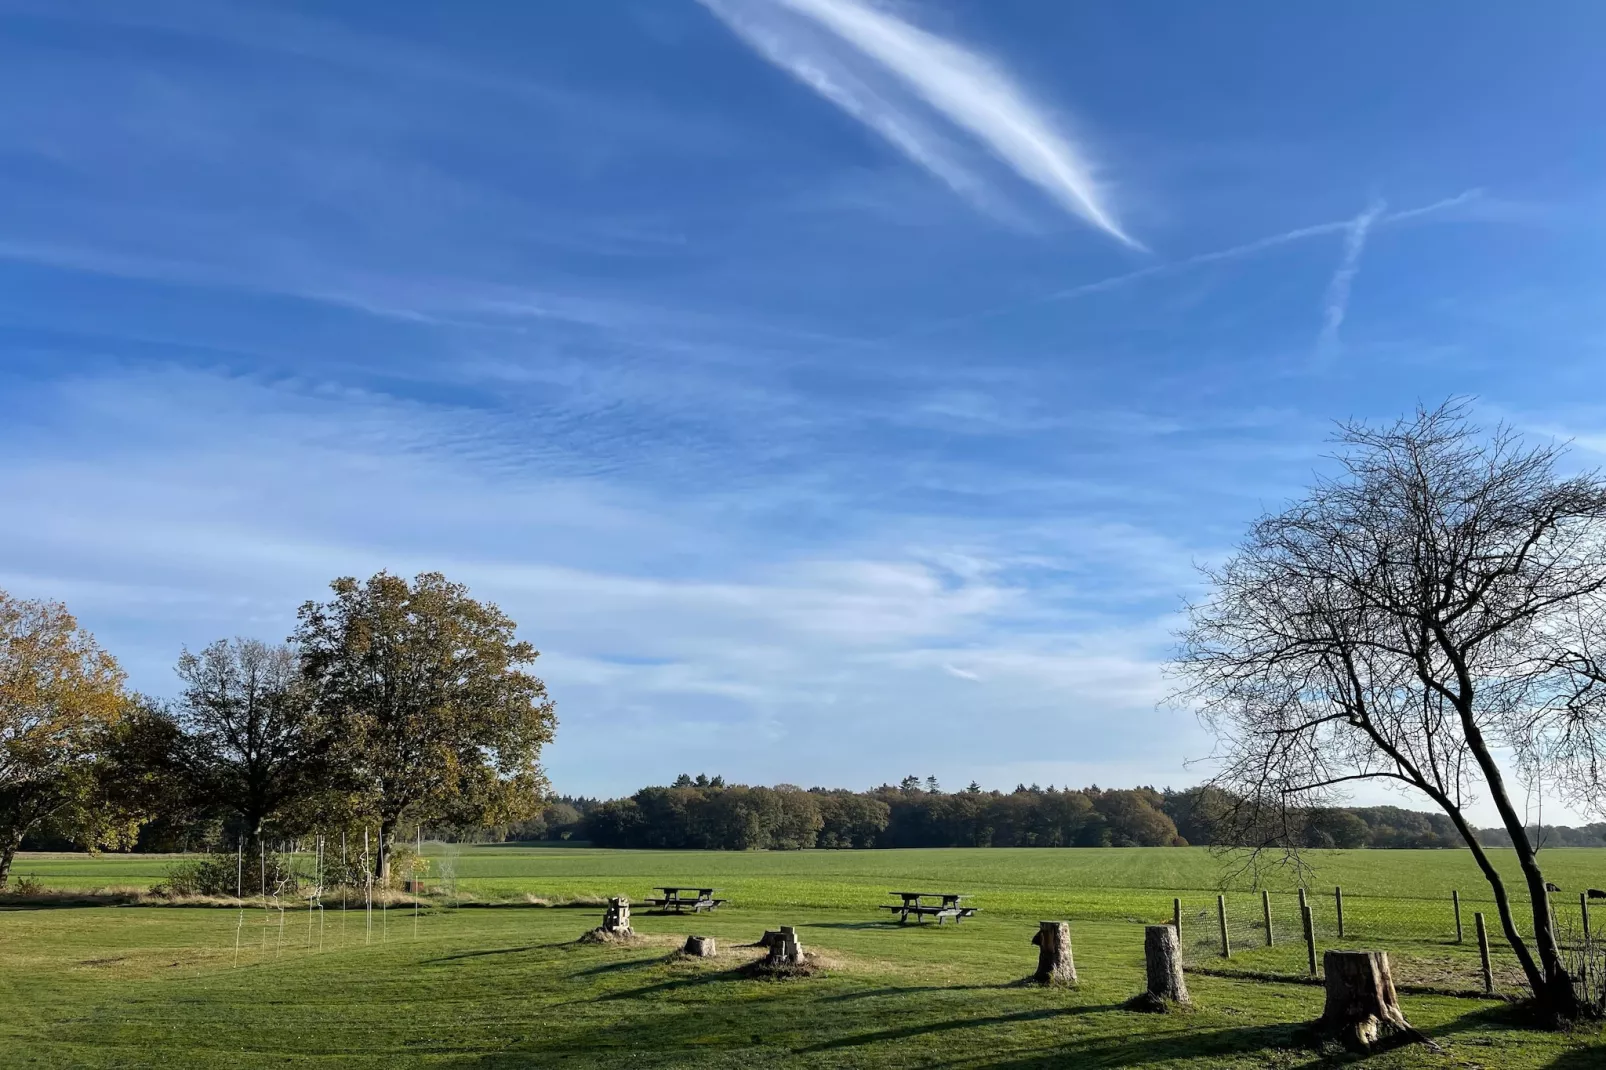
(956, 83)
(1336, 303)
(1234, 252)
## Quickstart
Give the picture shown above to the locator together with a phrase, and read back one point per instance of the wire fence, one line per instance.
(1434, 944)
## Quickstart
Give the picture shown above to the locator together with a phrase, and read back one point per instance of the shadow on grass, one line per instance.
(675, 984)
(1183, 1044)
(30, 903)
(1581, 1058)
(483, 954)
(908, 1031)
(618, 967)
(873, 993)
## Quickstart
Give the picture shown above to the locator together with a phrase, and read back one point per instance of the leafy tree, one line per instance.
(1435, 606)
(848, 819)
(59, 694)
(428, 701)
(253, 744)
(1328, 827)
(1136, 818)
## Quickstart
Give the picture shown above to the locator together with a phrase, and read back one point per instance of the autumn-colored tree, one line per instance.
(59, 694)
(428, 701)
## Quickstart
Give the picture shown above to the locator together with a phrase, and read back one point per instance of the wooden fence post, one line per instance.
(1583, 909)
(1310, 937)
(1265, 909)
(1176, 918)
(1338, 900)
(1221, 915)
(1483, 953)
(1455, 897)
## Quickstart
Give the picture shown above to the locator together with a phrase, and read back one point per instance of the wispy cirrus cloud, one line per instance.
(894, 77)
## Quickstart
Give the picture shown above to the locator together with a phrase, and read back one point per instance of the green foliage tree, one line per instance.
(60, 693)
(428, 702)
(252, 744)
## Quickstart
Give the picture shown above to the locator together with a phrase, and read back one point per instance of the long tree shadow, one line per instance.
(1591, 1057)
(905, 1032)
(1151, 1048)
(905, 990)
(483, 954)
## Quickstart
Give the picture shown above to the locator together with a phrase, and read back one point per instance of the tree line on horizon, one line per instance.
(706, 813)
(393, 703)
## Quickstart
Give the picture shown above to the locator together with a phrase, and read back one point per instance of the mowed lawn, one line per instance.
(508, 986)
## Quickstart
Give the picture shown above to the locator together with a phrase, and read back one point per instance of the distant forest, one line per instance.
(706, 813)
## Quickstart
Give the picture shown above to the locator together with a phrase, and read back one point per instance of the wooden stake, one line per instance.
(1310, 936)
(1455, 897)
(1483, 953)
(1265, 910)
(1583, 909)
(1338, 900)
(1221, 915)
(1176, 917)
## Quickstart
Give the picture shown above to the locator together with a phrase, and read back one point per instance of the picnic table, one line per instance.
(947, 906)
(676, 900)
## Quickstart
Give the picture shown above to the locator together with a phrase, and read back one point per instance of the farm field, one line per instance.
(509, 987)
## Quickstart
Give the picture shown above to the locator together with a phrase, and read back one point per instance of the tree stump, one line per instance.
(616, 920)
(1361, 1007)
(1055, 966)
(785, 948)
(1162, 960)
(701, 947)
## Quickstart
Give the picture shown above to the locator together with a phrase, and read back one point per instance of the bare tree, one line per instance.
(1424, 619)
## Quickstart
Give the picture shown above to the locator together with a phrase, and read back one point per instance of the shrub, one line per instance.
(228, 875)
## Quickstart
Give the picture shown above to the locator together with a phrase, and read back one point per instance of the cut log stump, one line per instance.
(1055, 966)
(1162, 960)
(702, 947)
(1362, 1009)
(616, 919)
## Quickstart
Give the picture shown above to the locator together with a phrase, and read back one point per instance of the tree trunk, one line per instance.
(1552, 985)
(1502, 901)
(702, 947)
(1055, 966)
(1162, 959)
(7, 854)
(387, 836)
(1361, 1005)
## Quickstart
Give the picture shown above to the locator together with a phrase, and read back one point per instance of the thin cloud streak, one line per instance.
(964, 88)
(1336, 302)
(1235, 252)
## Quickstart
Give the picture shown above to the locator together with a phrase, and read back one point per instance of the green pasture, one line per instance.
(507, 986)
(1015, 879)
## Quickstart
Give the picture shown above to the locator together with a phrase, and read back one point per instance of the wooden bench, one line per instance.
(948, 906)
(677, 900)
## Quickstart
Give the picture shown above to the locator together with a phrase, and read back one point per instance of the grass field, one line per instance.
(151, 986)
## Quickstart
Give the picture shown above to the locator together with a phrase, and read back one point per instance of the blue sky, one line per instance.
(831, 390)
